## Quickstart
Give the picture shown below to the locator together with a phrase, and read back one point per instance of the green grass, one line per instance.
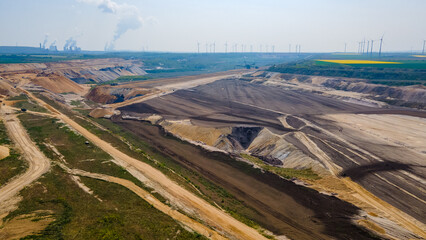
(11, 166)
(24, 102)
(31, 106)
(76, 103)
(287, 173)
(404, 64)
(133, 78)
(410, 72)
(79, 215)
(19, 97)
(72, 146)
(4, 137)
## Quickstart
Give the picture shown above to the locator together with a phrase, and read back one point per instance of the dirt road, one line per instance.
(173, 86)
(38, 164)
(211, 215)
(200, 228)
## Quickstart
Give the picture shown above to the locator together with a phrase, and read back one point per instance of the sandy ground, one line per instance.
(208, 213)
(24, 225)
(359, 190)
(4, 152)
(38, 164)
(398, 130)
(171, 87)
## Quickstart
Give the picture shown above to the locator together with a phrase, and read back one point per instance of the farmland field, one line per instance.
(403, 64)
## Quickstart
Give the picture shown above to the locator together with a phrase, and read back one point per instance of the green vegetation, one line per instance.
(76, 103)
(79, 215)
(410, 72)
(30, 106)
(49, 131)
(287, 173)
(38, 58)
(133, 78)
(4, 138)
(11, 166)
(22, 101)
(19, 97)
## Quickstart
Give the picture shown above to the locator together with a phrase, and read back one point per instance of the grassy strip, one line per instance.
(72, 146)
(72, 213)
(30, 106)
(4, 138)
(11, 166)
(19, 97)
(23, 102)
(78, 215)
(133, 78)
(287, 173)
(309, 67)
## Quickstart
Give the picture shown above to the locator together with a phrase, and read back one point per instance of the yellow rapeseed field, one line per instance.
(421, 56)
(358, 62)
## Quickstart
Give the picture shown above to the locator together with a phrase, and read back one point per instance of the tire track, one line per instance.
(38, 164)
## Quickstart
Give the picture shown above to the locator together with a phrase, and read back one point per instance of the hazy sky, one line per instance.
(177, 25)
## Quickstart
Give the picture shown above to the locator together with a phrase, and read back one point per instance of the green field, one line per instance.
(408, 71)
(404, 64)
(120, 214)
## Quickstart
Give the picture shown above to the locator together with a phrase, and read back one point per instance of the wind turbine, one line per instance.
(424, 42)
(372, 44)
(226, 47)
(368, 46)
(198, 46)
(380, 49)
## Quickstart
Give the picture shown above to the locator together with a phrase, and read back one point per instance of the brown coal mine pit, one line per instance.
(279, 205)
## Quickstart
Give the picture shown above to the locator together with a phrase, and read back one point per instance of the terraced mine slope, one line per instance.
(295, 128)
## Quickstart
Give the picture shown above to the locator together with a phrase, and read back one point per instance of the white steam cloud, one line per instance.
(129, 18)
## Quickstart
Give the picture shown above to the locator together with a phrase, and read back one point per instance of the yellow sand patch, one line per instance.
(421, 56)
(371, 225)
(25, 225)
(358, 62)
(4, 152)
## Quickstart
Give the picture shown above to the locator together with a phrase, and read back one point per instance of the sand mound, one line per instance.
(101, 112)
(4, 152)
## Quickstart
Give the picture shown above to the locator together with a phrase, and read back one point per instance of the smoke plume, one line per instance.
(45, 40)
(129, 18)
(70, 43)
(52, 44)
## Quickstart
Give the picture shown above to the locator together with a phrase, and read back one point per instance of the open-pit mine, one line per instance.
(239, 154)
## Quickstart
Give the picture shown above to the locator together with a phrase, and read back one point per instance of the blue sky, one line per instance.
(177, 25)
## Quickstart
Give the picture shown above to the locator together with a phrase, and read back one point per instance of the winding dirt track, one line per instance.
(38, 164)
(200, 228)
(208, 213)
